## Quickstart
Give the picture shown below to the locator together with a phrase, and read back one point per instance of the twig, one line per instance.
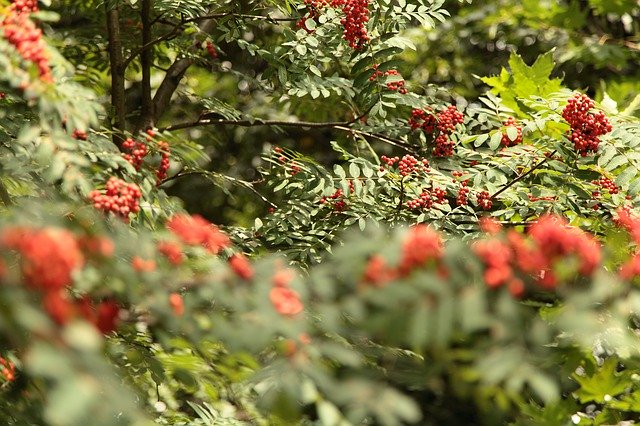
(213, 175)
(522, 176)
(4, 195)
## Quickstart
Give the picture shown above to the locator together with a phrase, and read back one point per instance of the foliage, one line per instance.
(478, 254)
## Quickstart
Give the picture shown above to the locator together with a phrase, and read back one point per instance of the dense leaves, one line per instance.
(391, 251)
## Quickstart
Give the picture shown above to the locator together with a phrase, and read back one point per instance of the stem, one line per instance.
(4, 195)
(117, 74)
(522, 176)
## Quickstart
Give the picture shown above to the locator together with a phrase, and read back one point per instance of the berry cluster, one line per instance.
(23, 34)
(461, 198)
(505, 141)
(120, 198)
(136, 152)
(533, 198)
(606, 184)
(337, 199)
(172, 251)
(424, 201)
(396, 86)
(407, 164)
(448, 118)
(586, 126)
(79, 135)
(421, 246)
(196, 230)
(7, 369)
(24, 6)
(483, 200)
(161, 173)
(211, 50)
(550, 240)
(49, 256)
(285, 300)
(445, 122)
(241, 266)
(354, 22)
(423, 118)
(427, 198)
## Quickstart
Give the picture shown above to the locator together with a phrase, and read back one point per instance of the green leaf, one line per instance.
(495, 140)
(604, 384)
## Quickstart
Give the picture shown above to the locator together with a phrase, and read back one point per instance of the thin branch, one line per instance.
(4, 195)
(255, 123)
(168, 36)
(242, 16)
(212, 175)
(117, 73)
(522, 176)
(395, 142)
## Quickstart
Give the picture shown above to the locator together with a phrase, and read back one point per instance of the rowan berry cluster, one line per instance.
(483, 199)
(586, 126)
(445, 122)
(407, 164)
(354, 22)
(196, 230)
(427, 198)
(165, 152)
(23, 34)
(120, 198)
(423, 118)
(550, 240)
(241, 266)
(172, 251)
(136, 152)
(24, 6)
(606, 184)
(505, 141)
(79, 135)
(421, 246)
(533, 198)
(461, 198)
(448, 118)
(7, 369)
(336, 200)
(424, 201)
(211, 50)
(285, 300)
(396, 86)
(49, 258)
(356, 17)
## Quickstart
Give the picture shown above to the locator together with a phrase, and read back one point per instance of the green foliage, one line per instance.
(347, 313)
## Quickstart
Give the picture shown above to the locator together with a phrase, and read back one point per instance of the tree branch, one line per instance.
(173, 77)
(4, 195)
(257, 122)
(522, 176)
(146, 60)
(117, 74)
(213, 175)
